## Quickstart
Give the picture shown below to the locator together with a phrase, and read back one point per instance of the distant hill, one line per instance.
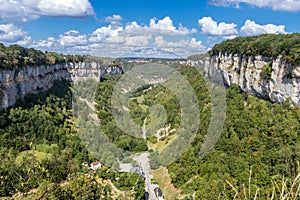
(197, 56)
(155, 53)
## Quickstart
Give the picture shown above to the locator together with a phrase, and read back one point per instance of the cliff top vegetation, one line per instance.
(267, 45)
(16, 57)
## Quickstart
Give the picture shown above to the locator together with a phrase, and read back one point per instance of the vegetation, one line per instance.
(162, 177)
(125, 181)
(267, 45)
(108, 124)
(198, 57)
(17, 57)
(266, 71)
(257, 135)
(42, 155)
(256, 157)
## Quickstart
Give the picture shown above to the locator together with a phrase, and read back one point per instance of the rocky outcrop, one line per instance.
(247, 71)
(15, 84)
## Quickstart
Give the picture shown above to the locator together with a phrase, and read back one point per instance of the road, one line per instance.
(143, 161)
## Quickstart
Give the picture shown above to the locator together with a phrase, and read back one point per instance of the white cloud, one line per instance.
(158, 27)
(113, 40)
(192, 43)
(73, 38)
(25, 41)
(137, 41)
(164, 24)
(115, 19)
(283, 5)
(49, 43)
(118, 40)
(186, 31)
(132, 25)
(251, 28)
(183, 47)
(211, 28)
(107, 34)
(10, 34)
(25, 10)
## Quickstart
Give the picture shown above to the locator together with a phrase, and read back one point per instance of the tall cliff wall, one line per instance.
(15, 84)
(283, 82)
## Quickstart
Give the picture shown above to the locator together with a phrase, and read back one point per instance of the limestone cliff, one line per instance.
(15, 84)
(246, 71)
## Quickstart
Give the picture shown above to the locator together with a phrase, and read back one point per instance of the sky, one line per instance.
(115, 28)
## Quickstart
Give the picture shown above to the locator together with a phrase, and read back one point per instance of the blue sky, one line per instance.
(113, 28)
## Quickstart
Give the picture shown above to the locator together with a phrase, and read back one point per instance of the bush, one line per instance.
(266, 71)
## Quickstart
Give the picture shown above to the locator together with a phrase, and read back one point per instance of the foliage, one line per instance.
(154, 160)
(198, 57)
(40, 148)
(125, 181)
(283, 188)
(108, 124)
(267, 45)
(257, 135)
(266, 71)
(17, 57)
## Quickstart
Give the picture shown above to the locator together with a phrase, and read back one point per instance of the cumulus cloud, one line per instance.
(251, 28)
(10, 34)
(113, 40)
(166, 26)
(137, 41)
(115, 19)
(45, 44)
(25, 10)
(211, 28)
(72, 38)
(159, 27)
(117, 40)
(132, 26)
(106, 33)
(184, 43)
(283, 5)
(183, 47)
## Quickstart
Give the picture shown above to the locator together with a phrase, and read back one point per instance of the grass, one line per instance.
(285, 189)
(39, 155)
(140, 99)
(160, 145)
(161, 176)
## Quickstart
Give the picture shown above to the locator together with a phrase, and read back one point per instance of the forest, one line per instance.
(267, 45)
(17, 57)
(256, 157)
(257, 153)
(259, 142)
(41, 154)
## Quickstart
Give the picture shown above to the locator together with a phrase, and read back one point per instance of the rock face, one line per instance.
(15, 84)
(283, 83)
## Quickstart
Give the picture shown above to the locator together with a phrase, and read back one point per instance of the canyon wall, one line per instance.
(15, 84)
(247, 71)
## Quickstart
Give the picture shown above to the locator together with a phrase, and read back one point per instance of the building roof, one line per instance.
(95, 163)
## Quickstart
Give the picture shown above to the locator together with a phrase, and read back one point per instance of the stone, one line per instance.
(32, 80)
(246, 71)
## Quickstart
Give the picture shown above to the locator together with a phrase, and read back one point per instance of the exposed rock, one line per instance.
(15, 84)
(245, 71)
